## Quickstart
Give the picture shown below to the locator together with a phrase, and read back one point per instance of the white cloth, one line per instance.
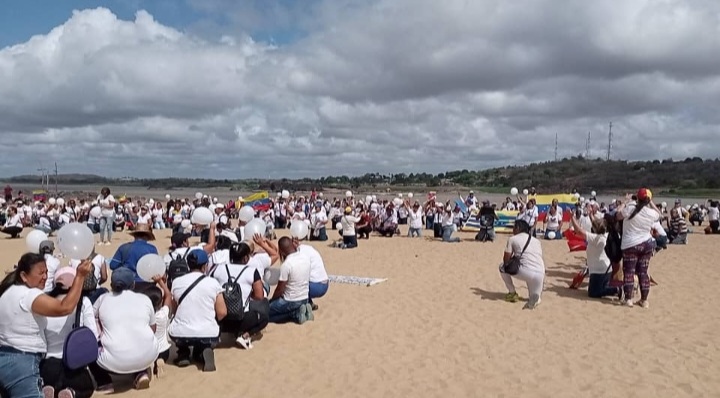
(415, 218)
(713, 214)
(58, 328)
(128, 342)
(19, 327)
(162, 321)
(295, 270)
(637, 230)
(317, 265)
(532, 259)
(52, 265)
(597, 261)
(195, 316)
(110, 200)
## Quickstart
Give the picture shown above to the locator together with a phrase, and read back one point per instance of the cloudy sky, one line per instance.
(282, 88)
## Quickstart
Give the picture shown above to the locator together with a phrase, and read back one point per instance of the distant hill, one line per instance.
(691, 176)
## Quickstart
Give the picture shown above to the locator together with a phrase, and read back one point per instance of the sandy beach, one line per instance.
(439, 327)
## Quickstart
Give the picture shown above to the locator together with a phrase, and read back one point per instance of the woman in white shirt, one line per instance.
(598, 263)
(107, 215)
(100, 271)
(415, 221)
(714, 218)
(56, 377)
(13, 226)
(638, 244)
(348, 222)
(127, 333)
(199, 306)
(24, 309)
(448, 226)
(553, 222)
(256, 306)
(318, 221)
(158, 216)
(532, 266)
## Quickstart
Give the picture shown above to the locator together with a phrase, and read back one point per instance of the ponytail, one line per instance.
(638, 208)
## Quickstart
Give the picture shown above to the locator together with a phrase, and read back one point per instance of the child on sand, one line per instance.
(161, 299)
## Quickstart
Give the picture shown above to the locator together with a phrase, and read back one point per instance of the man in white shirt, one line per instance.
(289, 301)
(415, 222)
(319, 282)
(318, 221)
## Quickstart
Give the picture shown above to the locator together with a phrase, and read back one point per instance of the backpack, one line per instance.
(91, 282)
(232, 294)
(81, 346)
(178, 267)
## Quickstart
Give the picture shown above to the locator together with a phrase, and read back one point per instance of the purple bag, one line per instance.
(81, 345)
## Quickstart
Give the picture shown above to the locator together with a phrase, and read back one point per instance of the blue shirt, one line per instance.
(128, 255)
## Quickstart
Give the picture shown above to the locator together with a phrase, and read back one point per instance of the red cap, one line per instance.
(644, 194)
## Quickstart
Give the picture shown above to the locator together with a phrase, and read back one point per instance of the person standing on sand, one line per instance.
(638, 244)
(107, 217)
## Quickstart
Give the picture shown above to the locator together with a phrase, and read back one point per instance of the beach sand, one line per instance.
(439, 327)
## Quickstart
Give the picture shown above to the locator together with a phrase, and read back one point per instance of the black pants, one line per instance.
(197, 345)
(14, 232)
(55, 374)
(253, 322)
(350, 242)
(364, 232)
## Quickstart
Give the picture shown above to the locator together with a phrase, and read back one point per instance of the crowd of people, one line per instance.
(221, 284)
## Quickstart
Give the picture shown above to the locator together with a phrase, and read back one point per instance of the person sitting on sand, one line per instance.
(388, 223)
(415, 221)
(678, 231)
(713, 218)
(532, 266)
(289, 301)
(449, 226)
(199, 306)
(486, 216)
(348, 222)
(126, 322)
(14, 225)
(553, 222)
(364, 226)
(598, 263)
(319, 282)
(529, 214)
(318, 222)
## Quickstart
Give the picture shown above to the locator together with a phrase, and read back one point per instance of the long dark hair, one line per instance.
(638, 207)
(238, 252)
(25, 264)
(522, 226)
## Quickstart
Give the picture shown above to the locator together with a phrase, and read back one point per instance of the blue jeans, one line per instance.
(599, 286)
(447, 234)
(322, 235)
(317, 290)
(283, 311)
(158, 224)
(429, 223)
(20, 373)
(412, 232)
(106, 228)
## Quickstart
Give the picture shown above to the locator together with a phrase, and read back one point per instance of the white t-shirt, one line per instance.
(713, 214)
(597, 261)
(529, 215)
(295, 270)
(24, 332)
(415, 218)
(195, 316)
(317, 265)
(158, 214)
(318, 219)
(128, 343)
(52, 264)
(162, 320)
(246, 280)
(14, 221)
(180, 251)
(658, 228)
(144, 218)
(260, 261)
(552, 222)
(98, 261)
(637, 230)
(348, 225)
(532, 259)
(219, 257)
(106, 202)
(58, 328)
(230, 234)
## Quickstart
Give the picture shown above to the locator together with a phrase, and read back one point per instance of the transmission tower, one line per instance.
(556, 147)
(610, 137)
(587, 146)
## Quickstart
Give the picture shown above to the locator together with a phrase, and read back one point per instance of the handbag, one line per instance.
(81, 346)
(512, 266)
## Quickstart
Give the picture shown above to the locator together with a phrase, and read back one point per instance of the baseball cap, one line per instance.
(348, 209)
(122, 278)
(178, 238)
(644, 194)
(46, 246)
(65, 276)
(198, 258)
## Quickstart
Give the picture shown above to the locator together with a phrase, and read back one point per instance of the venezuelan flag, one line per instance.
(543, 202)
(260, 201)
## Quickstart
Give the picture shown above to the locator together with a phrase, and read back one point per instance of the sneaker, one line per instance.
(628, 303)
(48, 392)
(182, 362)
(314, 307)
(512, 297)
(159, 368)
(208, 356)
(309, 312)
(532, 303)
(245, 343)
(106, 389)
(644, 304)
(142, 381)
(302, 314)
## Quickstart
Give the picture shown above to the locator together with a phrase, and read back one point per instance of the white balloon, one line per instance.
(255, 226)
(577, 195)
(285, 194)
(525, 192)
(272, 276)
(167, 196)
(348, 194)
(307, 222)
(368, 199)
(399, 195)
(397, 201)
(51, 201)
(185, 223)
(60, 202)
(320, 195)
(299, 230)
(593, 194)
(279, 194)
(33, 240)
(582, 199)
(513, 191)
(198, 195)
(664, 204)
(150, 265)
(212, 207)
(338, 226)
(215, 200)
(96, 212)
(410, 195)
(75, 240)
(202, 216)
(551, 235)
(246, 214)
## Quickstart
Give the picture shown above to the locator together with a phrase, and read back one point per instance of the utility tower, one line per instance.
(556, 147)
(587, 146)
(610, 137)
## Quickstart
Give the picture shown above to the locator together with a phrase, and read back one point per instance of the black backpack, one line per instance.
(232, 294)
(178, 267)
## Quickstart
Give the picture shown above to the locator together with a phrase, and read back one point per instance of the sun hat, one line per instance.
(143, 230)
